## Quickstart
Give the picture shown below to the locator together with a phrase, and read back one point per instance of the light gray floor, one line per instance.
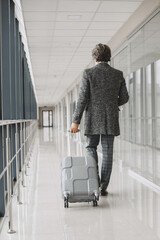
(130, 211)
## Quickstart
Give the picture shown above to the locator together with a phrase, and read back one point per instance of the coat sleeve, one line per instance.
(123, 93)
(82, 99)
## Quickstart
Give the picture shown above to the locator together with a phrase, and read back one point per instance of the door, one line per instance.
(47, 118)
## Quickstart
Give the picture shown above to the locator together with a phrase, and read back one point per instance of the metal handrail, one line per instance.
(8, 122)
(26, 138)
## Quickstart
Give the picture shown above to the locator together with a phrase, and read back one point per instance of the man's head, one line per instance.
(101, 53)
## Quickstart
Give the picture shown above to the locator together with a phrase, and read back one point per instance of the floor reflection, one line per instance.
(130, 211)
(46, 134)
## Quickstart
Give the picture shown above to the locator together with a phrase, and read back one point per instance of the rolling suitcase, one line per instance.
(79, 179)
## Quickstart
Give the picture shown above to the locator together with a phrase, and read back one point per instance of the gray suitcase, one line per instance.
(79, 180)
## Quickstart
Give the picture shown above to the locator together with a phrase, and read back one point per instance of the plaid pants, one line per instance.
(92, 142)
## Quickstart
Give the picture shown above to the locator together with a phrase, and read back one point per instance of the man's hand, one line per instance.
(74, 128)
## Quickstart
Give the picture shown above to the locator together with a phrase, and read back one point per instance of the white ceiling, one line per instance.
(61, 35)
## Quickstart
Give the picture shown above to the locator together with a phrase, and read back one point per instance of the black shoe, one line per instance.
(104, 192)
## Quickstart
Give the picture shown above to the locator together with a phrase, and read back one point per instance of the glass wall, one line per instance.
(139, 61)
(17, 96)
(141, 49)
(148, 99)
(157, 100)
(17, 99)
(139, 119)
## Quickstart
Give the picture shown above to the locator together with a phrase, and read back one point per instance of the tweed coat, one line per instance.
(102, 90)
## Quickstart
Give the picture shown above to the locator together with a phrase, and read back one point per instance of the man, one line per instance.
(102, 90)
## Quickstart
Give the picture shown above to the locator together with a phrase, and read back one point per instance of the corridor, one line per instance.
(130, 211)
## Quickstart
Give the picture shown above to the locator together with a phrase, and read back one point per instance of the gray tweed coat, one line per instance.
(102, 90)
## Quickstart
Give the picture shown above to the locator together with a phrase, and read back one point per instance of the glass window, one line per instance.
(148, 106)
(157, 100)
(157, 86)
(157, 133)
(50, 118)
(59, 114)
(148, 92)
(125, 115)
(142, 49)
(138, 105)
(138, 93)
(119, 61)
(131, 109)
(64, 114)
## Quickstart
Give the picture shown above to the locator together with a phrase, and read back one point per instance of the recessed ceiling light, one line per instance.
(74, 17)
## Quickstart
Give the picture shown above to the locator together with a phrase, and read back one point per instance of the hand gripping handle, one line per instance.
(69, 143)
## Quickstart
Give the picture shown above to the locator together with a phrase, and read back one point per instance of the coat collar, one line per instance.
(103, 64)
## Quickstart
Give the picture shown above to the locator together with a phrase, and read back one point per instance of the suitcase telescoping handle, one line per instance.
(69, 142)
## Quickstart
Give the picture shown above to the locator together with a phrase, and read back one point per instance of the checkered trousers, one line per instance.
(92, 142)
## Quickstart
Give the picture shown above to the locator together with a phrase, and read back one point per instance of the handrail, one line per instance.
(24, 138)
(8, 122)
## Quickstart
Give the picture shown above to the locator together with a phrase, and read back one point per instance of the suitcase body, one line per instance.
(79, 180)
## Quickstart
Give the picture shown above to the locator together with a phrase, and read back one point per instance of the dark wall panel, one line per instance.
(17, 97)
(17, 50)
(13, 61)
(0, 59)
(20, 77)
(6, 81)
(27, 90)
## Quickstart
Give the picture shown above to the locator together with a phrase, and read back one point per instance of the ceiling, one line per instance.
(61, 35)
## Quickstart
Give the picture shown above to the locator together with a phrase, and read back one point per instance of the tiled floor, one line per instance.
(130, 211)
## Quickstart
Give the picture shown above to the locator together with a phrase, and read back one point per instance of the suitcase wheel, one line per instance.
(66, 205)
(95, 203)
